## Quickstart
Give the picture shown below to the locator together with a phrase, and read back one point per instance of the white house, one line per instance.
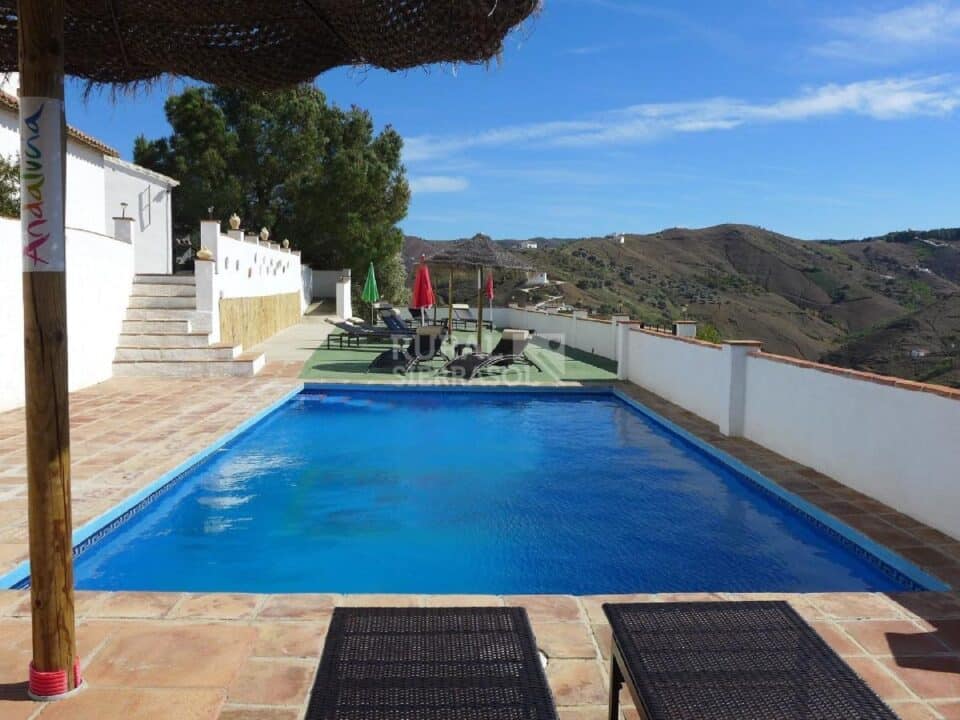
(147, 197)
(98, 185)
(100, 265)
(126, 313)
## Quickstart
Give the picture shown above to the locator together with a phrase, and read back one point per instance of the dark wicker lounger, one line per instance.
(731, 661)
(430, 664)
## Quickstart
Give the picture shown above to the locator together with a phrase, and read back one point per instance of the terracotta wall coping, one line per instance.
(887, 380)
(565, 316)
(668, 336)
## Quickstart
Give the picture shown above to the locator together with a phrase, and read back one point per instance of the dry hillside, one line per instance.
(874, 304)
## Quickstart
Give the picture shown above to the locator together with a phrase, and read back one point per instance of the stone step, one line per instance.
(164, 339)
(162, 303)
(246, 365)
(183, 314)
(164, 279)
(209, 353)
(164, 290)
(156, 326)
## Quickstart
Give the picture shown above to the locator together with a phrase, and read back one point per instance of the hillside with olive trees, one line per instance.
(887, 304)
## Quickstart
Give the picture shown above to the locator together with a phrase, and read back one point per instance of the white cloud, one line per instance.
(593, 49)
(893, 35)
(438, 184)
(886, 99)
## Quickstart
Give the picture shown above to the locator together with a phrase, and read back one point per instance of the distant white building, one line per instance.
(537, 279)
(98, 185)
(528, 245)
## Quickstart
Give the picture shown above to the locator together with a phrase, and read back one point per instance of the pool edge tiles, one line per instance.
(883, 559)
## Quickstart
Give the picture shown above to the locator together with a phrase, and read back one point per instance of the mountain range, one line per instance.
(887, 304)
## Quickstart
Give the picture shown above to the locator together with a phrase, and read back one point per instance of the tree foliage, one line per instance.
(9, 187)
(311, 172)
(708, 333)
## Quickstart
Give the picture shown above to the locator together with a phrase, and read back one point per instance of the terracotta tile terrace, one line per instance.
(186, 656)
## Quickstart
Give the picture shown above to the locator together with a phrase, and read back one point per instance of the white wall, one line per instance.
(149, 203)
(85, 177)
(893, 440)
(242, 268)
(689, 374)
(99, 279)
(325, 283)
(900, 446)
(597, 337)
(252, 269)
(306, 275)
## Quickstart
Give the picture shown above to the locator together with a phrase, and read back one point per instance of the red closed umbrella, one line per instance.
(423, 296)
(489, 293)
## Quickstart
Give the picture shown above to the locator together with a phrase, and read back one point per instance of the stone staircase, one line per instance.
(164, 335)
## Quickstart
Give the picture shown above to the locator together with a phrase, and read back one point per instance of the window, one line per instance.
(146, 210)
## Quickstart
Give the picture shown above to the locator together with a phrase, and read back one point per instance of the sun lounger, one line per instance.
(430, 664)
(510, 350)
(351, 331)
(731, 661)
(464, 317)
(425, 346)
(393, 321)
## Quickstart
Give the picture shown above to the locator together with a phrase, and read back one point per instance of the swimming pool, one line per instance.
(392, 491)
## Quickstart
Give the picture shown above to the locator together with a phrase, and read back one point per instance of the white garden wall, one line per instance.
(893, 440)
(690, 374)
(243, 267)
(597, 337)
(99, 278)
(900, 446)
(248, 268)
(325, 283)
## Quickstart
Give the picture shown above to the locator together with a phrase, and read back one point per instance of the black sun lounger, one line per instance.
(508, 351)
(426, 345)
(430, 664)
(731, 661)
(351, 331)
(464, 317)
(396, 324)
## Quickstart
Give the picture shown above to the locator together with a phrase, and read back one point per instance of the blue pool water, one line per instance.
(454, 492)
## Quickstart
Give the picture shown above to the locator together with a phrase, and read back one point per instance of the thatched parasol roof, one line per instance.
(479, 251)
(268, 43)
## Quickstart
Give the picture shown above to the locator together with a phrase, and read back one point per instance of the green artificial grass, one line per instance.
(560, 364)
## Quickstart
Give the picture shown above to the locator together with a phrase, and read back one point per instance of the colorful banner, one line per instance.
(42, 184)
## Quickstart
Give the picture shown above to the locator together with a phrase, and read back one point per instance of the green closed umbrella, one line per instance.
(370, 293)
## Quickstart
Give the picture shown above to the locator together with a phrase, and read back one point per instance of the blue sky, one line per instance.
(815, 119)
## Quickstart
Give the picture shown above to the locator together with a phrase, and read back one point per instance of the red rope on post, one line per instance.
(53, 684)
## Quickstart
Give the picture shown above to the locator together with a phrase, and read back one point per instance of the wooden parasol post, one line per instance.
(450, 301)
(480, 309)
(55, 669)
